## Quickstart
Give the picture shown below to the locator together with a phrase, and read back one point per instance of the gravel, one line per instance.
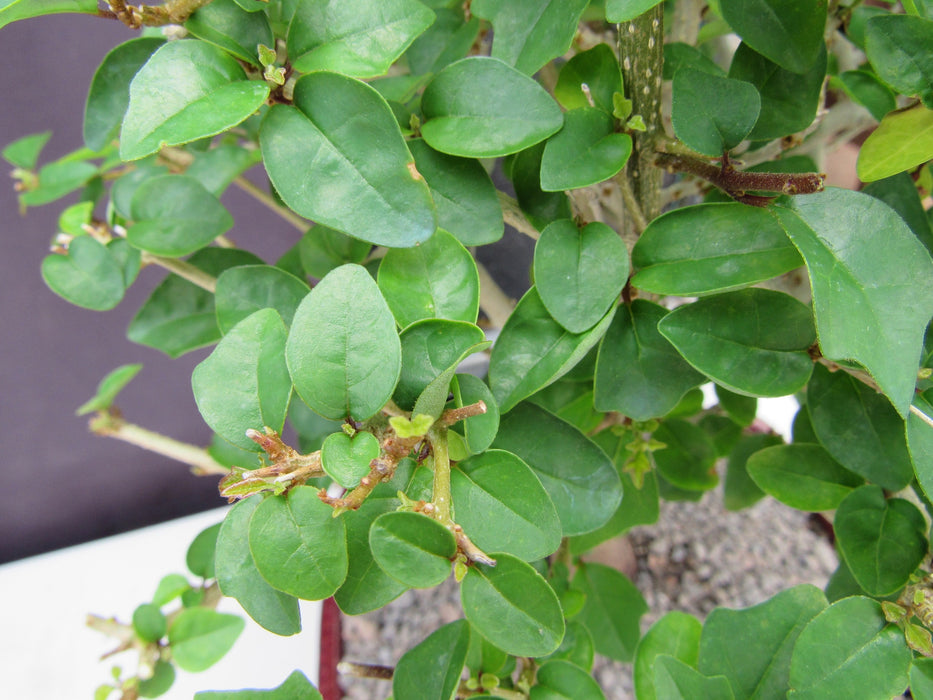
(697, 557)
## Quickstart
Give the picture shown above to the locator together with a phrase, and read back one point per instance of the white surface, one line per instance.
(47, 652)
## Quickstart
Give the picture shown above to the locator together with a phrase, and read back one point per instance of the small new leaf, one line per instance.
(621, 107)
(636, 123)
(266, 55)
(417, 426)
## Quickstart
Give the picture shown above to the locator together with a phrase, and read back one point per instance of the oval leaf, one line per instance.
(244, 290)
(676, 680)
(789, 32)
(346, 460)
(712, 114)
(584, 152)
(479, 431)
(804, 476)
(898, 47)
(200, 637)
(902, 141)
(225, 24)
(612, 610)
(432, 668)
(563, 679)
(412, 548)
(295, 687)
(598, 69)
(677, 635)
(88, 275)
(108, 389)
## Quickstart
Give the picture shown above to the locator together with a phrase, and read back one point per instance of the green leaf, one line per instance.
(502, 507)
(412, 548)
(688, 460)
(752, 647)
(354, 37)
(612, 610)
(529, 33)
(679, 55)
(200, 637)
(625, 10)
(676, 635)
(920, 444)
(109, 94)
(584, 152)
(295, 687)
(921, 679)
(709, 248)
(12, 10)
(108, 389)
(175, 215)
(559, 679)
(57, 179)
(802, 476)
(432, 668)
(898, 47)
(242, 291)
(162, 678)
(639, 506)
(741, 409)
(221, 165)
(447, 40)
(437, 279)
(576, 646)
(330, 135)
(186, 91)
(244, 383)
(883, 540)
(638, 372)
(788, 100)
(711, 114)
(789, 32)
(323, 249)
(900, 193)
(538, 206)
(579, 272)
(367, 587)
(346, 460)
(239, 578)
(848, 651)
(128, 258)
(482, 108)
(859, 428)
(200, 555)
(598, 69)
(902, 141)
(466, 200)
(225, 24)
(343, 352)
(149, 623)
(571, 467)
(872, 284)
(179, 315)
(866, 89)
(534, 350)
(512, 606)
(676, 680)
(297, 544)
(87, 275)
(24, 152)
(740, 489)
(170, 587)
(479, 431)
(752, 341)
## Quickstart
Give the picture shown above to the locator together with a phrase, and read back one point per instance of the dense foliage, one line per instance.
(380, 121)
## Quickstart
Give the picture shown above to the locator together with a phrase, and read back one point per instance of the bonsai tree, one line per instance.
(665, 158)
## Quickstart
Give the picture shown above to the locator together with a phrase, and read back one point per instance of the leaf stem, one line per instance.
(183, 269)
(350, 668)
(269, 201)
(441, 498)
(512, 215)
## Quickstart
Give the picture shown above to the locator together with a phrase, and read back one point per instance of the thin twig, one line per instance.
(267, 200)
(631, 203)
(495, 303)
(512, 215)
(183, 269)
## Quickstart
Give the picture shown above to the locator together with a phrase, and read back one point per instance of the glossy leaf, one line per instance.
(559, 679)
(346, 460)
(24, 152)
(584, 152)
(12, 10)
(200, 637)
(861, 257)
(538, 206)
(676, 635)
(479, 431)
(741, 409)
(847, 651)
(866, 89)
(639, 506)
(175, 215)
(740, 489)
(788, 100)
(244, 383)
(709, 248)
(534, 350)
(676, 680)
(579, 272)
(921, 679)
(200, 555)
(431, 669)
(571, 467)
(186, 91)
(447, 40)
(437, 279)
(679, 55)
(752, 342)
(57, 179)
(625, 10)
(239, 578)
(598, 69)
(711, 114)
(920, 444)
(512, 606)
(108, 389)
(802, 476)
(502, 507)
(900, 193)
(226, 25)
(752, 647)
(354, 37)
(612, 610)
(898, 47)
(902, 141)
(482, 108)
(689, 458)
(87, 275)
(789, 32)
(859, 428)
(866, 525)
(638, 372)
(179, 315)
(530, 33)
(412, 548)
(295, 687)
(109, 93)
(323, 249)
(343, 353)
(221, 165)
(330, 135)
(576, 646)
(297, 544)
(244, 290)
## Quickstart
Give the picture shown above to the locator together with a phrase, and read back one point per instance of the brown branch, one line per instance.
(136, 16)
(455, 415)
